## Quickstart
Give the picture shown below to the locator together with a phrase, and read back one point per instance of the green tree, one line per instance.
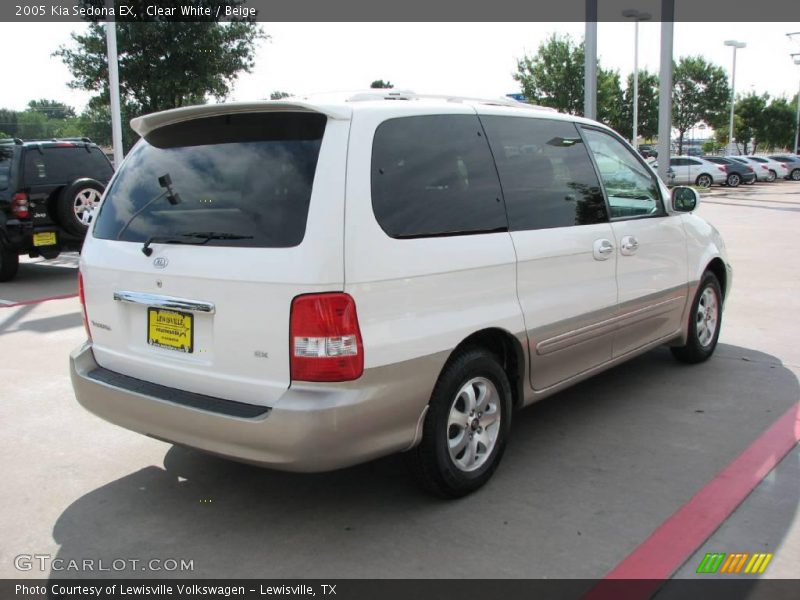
(277, 95)
(648, 106)
(33, 125)
(700, 94)
(554, 75)
(780, 125)
(163, 64)
(749, 121)
(8, 121)
(381, 84)
(52, 109)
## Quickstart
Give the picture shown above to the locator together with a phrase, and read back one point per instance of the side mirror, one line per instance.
(684, 199)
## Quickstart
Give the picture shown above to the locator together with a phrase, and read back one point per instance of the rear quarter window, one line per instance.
(248, 175)
(434, 175)
(61, 165)
(6, 157)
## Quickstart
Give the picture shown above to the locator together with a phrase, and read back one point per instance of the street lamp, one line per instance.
(735, 45)
(637, 17)
(796, 58)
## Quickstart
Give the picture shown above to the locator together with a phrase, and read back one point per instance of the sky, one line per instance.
(470, 59)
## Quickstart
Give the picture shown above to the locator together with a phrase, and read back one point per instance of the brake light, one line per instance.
(83, 306)
(325, 340)
(723, 169)
(20, 205)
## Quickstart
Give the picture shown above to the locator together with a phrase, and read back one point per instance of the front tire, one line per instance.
(9, 264)
(795, 175)
(772, 176)
(466, 427)
(705, 321)
(704, 180)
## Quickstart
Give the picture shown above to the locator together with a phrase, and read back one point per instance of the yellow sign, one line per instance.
(170, 329)
(44, 238)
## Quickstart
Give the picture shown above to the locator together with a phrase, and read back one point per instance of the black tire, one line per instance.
(85, 192)
(431, 462)
(733, 180)
(695, 351)
(9, 264)
(795, 175)
(704, 180)
(772, 176)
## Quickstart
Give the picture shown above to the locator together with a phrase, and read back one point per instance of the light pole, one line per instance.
(637, 17)
(735, 45)
(796, 58)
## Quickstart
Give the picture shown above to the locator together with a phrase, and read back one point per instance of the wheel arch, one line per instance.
(508, 349)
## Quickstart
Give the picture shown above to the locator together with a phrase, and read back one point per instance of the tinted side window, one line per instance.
(6, 154)
(434, 175)
(62, 165)
(631, 188)
(547, 176)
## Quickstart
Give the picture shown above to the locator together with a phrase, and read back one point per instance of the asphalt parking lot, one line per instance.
(589, 474)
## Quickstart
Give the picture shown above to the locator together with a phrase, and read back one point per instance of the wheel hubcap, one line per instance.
(707, 316)
(704, 182)
(85, 202)
(473, 424)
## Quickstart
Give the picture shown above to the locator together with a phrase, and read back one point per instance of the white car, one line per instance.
(311, 283)
(762, 169)
(692, 170)
(775, 168)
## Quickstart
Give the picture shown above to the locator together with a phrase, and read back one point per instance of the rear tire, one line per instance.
(704, 180)
(705, 321)
(466, 427)
(795, 175)
(76, 204)
(9, 264)
(772, 176)
(733, 180)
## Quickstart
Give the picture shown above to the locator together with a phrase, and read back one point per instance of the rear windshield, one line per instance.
(63, 164)
(247, 177)
(6, 154)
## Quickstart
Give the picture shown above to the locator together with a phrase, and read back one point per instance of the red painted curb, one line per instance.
(39, 300)
(677, 538)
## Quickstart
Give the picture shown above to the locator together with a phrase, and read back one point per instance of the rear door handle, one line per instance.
(628, 245)
(602, 249)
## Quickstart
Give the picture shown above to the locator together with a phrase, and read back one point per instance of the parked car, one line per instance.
(736, 172)
(762, 171)
(311, 283)
(775, 168)
(693, 170)
(648, 151)
(792, 163)
(48, 192)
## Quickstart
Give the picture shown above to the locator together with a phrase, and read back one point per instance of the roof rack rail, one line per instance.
(11, 140)
(391, 94)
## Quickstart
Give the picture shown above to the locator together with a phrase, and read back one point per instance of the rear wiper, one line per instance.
(201, 237)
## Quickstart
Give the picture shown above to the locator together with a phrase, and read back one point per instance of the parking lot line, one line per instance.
(7, 304)
(668, 547)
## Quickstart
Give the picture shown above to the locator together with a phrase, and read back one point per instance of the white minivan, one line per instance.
(315, 282)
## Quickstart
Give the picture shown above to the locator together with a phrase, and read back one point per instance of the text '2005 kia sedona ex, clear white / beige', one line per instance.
(311, 283)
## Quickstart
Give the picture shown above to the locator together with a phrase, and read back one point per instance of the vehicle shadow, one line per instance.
(36, 280)
(588, 475)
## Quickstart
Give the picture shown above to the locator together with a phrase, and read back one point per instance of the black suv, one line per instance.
(48, 190)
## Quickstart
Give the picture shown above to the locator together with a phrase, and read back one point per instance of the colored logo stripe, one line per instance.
(711, 562)
(720, 562)
(758, 563)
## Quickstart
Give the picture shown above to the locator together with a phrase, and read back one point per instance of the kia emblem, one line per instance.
(160, 262)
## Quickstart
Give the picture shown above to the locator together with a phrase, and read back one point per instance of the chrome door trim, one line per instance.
(158, 301)
(582, 334)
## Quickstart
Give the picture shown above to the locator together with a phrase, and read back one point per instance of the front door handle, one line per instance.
(602, 249)
(628, 245)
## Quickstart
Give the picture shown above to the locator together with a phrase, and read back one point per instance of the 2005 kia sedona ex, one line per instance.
(315, 282)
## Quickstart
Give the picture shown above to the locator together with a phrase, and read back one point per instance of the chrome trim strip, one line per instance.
(570, 338)
(164, 302)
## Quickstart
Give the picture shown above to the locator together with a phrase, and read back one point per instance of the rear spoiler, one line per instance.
(147, 123)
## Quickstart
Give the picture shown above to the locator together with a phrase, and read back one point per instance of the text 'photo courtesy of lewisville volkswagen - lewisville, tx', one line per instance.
(388, 304)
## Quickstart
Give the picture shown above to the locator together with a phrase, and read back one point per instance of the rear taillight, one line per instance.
(325, 341)
(723, 169)
(82, 297)
(20, 205)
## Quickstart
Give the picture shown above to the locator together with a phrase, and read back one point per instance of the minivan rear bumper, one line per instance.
(313, 427)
